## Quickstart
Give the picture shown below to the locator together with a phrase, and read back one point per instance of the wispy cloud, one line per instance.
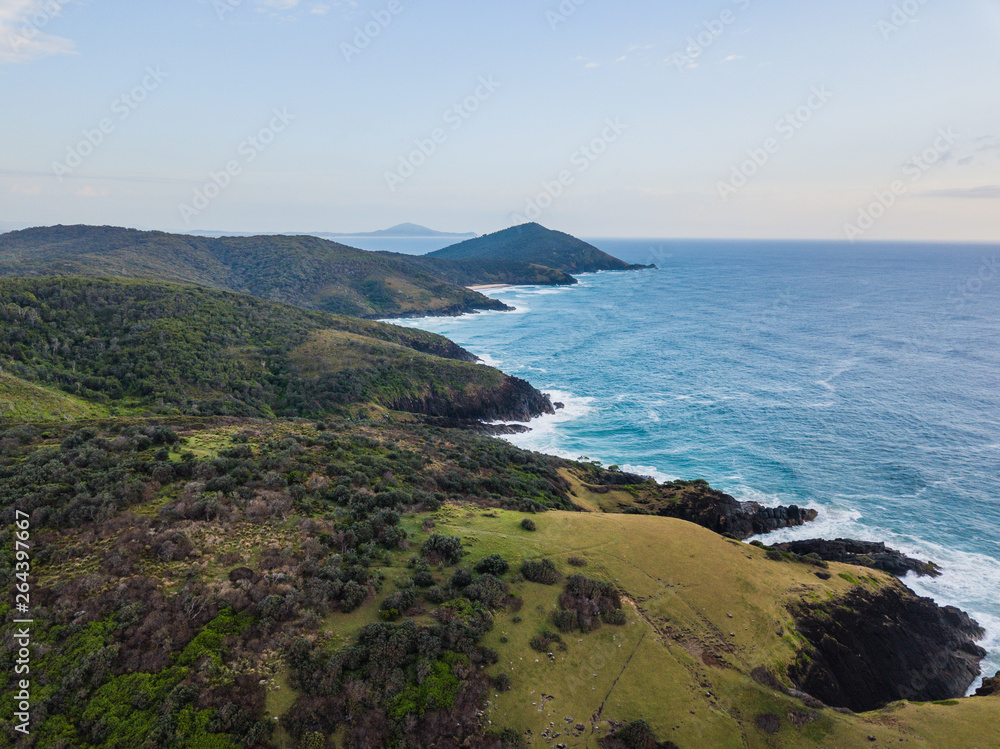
(22, 37)
(732, 58)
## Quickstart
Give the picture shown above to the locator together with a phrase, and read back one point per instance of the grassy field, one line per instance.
(703, 612)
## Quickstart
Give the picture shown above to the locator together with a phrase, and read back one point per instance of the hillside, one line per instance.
(141, 347)
(301, 270)
(253, 583)
(533, 243)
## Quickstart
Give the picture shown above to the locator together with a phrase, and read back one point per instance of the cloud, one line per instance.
(21, 30)
(731, 58)
(279, 4)
(986, 192)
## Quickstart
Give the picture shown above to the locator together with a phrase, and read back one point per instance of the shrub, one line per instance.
(446, 549)
(436, 594)
(614, 617)
(544, 641)
(577, 562)
(461, 578)
(494, 564)
(528, 524)
(423, 579)
(542, 571)
(635, 735)
(401, 600)
(501, 682)
(489, 591)
(565, 621)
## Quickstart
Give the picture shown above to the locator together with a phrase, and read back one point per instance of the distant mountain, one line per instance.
(533, 243)
(301, 270)
(400, 231)
(403, 231)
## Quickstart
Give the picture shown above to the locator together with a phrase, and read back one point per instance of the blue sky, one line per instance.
(731, 118)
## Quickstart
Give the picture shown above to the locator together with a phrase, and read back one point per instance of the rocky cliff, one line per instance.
(873, 554)
(513, 400)
(875, 647)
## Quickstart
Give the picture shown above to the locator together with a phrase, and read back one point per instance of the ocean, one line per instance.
(859, 380)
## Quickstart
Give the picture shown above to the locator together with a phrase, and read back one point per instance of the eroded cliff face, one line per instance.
(719, 512)
(513, 400)
(873, 554)
(874, 647)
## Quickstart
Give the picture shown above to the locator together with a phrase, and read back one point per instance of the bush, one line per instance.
(494, 564)
(565, 621)
(544, 641)
(635, 735)
(423, 579)
(401, 600)
(577, 562)
(542, 571)
(528, 524)
(614, 617)
(489, 591)
(436, 594)
(501, 682)
(445, 549)
(461, 578)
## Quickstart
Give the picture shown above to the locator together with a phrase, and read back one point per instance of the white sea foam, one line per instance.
(544, 435)
(489, 361)
(655, 473)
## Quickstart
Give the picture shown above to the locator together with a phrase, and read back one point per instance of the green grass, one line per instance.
(21, 400)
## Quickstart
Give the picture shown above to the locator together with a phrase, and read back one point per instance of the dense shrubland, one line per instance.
(177, 562)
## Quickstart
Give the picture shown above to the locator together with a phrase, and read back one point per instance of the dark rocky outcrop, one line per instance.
(990, 687)
(875, 555)
(871, 648)
(513, 400)
(698, 503)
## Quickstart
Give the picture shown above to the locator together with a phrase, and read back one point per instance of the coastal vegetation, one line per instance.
(255, 525)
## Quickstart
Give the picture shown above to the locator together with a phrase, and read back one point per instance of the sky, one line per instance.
(860, 119)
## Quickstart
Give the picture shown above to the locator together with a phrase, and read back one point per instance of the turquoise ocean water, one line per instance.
(861, 380)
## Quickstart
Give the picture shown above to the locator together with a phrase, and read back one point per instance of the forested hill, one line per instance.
(136, 347)
(304, 271)
(533, 243)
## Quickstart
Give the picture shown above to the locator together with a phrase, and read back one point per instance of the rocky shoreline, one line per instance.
(873, 554)
(875, 647)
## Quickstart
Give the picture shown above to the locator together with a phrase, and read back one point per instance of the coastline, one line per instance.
(964, 583)
(486, 286)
